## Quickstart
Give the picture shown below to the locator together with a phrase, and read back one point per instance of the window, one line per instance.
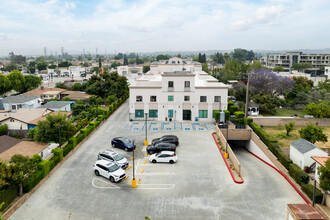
(170, 98)
(153, 98)
(217, 98)
(12, 120)
(153, 113)
(186, 98)
(202, 113)
(138, 98)
(187, 84)
(139, 113)
(13, 107)
(170, 84)
(170, 113)
(19, 106)
(203, 99)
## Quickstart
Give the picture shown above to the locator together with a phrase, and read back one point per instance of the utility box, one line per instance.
(222, 117)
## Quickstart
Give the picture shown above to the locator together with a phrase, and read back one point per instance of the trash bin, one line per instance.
(196, 119)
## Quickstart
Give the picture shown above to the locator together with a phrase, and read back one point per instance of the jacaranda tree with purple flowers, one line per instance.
(264, 80)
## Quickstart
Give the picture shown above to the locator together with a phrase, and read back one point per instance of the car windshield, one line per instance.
(158, 154)
(113, 168)
(125, 141)
(118, 157)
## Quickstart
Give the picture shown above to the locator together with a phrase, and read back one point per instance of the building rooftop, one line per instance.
(25, 114)
(302, 145)
(305, 211)
(39, 91)
(44, 117)
(19, 99)
(56, 104)
(6, 142)
(321, 159)
(75, 95)
(26, 148)
(55, 92)
(178, 73)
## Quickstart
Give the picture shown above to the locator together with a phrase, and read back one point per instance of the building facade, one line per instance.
(286, 60)
(176, 90)
(13, 103)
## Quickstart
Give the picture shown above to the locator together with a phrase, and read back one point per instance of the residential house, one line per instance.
(57, 106)
(320, 161)
(33, 123)
(14, 103)
(176, 89)
(1, 105)
(75, 95)
(41, 90)
(46, 96)
(253, 109)
(301, 152)
(10, 146)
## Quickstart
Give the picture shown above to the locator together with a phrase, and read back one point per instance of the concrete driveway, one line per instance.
(198, 186)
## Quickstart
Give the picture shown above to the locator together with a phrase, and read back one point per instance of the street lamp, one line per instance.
(133, 180)
(146, 128)
(313, 178)
(247, 96)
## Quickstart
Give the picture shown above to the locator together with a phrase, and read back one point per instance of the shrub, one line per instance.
(73, 141)
(80, 137)
(97, 123)
(216, 115)
(227, 114)
(3, 129)
(32, 132)
(309, 190)
(89, 129)
(56, 160)
(233, 109)
(100, 117)
(298, 174)
(51, 164)
(7, 195)
(67, 149)
(284, 159)
(83, 131)
(239, 114)
(249, 120)
(32, 180)
(230, 103)
(44, 166)
(58, 152)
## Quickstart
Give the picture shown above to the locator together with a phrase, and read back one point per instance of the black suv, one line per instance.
(152, 149)
(166, 139)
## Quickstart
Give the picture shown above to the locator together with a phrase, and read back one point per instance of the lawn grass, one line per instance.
(288, 112)
(284, 141)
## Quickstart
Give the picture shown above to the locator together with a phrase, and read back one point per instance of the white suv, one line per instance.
(114, 157)
(163, 156)
(109, 170)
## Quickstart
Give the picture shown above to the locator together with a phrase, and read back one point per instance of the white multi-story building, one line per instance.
(286, 60)
(176, 90)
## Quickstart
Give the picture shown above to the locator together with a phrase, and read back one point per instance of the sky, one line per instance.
(109, 26)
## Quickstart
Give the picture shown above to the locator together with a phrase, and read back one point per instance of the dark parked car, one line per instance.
(166, 139)
(152, 149)
(123, 143)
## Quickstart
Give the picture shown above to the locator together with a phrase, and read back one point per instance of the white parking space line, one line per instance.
(156, 186)
(101, 184)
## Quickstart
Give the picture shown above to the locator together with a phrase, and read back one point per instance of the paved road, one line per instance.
(198, 186)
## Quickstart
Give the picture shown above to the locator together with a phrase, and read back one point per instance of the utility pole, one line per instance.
(146, 127)
(45, 51)
(247, 96)
(133, 180)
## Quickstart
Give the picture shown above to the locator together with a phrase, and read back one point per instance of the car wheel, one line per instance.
(113, 145)
(97, 173)
(126, 149)
(171, 161)
(112, 179)
(154, 161)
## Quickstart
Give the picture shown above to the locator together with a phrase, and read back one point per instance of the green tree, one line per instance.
(321, 110)
(162, 57)
(65, 64)
(99, 101)
(11, 67)
(111, 99)
(115, 64)
(48, 130)
(22, 167)
(31, 82)
(60, 85)
(278, 69)
(5, 84)
(5, 173)
(93, 100)
(52, 66)
(137, 60)
(76, 87)
(325, 176)
(42, 66)
(312, 134)
(125, 63)
(302, 66)
(17, 80)
(19, 59)
(32, 67)
(289, 127)
(146, 69)
(205, 67)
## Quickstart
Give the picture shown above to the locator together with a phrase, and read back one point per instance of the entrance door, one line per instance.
(187, 115)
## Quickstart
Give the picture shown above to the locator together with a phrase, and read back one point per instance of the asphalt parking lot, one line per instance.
(198, 186)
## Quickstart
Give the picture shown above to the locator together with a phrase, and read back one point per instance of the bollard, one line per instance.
(133, 183)
(226, 155)
(145, 142)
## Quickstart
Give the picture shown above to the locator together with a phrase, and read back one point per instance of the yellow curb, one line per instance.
(139, 181)
(136, 149)
(145, 161)
(125, 178)
(146, 154)
(142, 170)
(128, 167)
(132, 158)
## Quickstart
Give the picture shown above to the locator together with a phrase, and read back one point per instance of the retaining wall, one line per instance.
(274, 121)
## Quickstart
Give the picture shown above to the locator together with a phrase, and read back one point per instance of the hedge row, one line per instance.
(7, 195)
(45, 166)
(309, 190)
(298, 174)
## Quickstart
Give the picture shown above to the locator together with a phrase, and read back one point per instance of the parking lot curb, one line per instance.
(285, 177)
(223, 157)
